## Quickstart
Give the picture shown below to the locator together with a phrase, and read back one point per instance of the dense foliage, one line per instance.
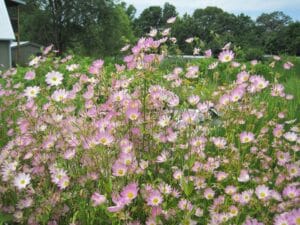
(213, 141)
(101, 27)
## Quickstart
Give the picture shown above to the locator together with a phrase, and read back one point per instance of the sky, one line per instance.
(251, 8)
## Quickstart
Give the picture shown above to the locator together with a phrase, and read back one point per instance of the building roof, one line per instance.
(14, 2)
(6, 30)
(14, 44)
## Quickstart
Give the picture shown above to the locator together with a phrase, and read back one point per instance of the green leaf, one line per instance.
(5, 218)
(188, 187)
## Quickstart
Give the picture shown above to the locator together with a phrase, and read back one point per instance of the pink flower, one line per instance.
(129, 192)
(288, 65)
(154, 198)
(60, 95)
(98, 63)
(119, 169)
(246, 196)
(262, 192)
(184, 204)
(30, 75)
(208, 53)
(48, 49)
(277, 90)
(98, 199)
(254, 62)
(250, 221)
(294, 216)
(242, 77)
(132, 113)
(104, 138)
(193, 99)
(224, 99)
(291, 192)
(226, 56)
(219, 142)
(246, 137)
(278, 130)
(209, 193)
(69, 154)
(230, 190)
(192, 72)
(96, 66)
(237, 94)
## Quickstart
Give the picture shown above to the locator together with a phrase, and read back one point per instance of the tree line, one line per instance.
(102, 27)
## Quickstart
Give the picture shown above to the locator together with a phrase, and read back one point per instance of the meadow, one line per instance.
(151, 140)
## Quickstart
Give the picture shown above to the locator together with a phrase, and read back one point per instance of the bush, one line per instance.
(90, 143)
(254, 53)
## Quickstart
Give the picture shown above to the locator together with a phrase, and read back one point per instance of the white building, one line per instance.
(7, 34)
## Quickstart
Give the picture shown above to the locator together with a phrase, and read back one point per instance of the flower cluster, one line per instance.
(138, 145)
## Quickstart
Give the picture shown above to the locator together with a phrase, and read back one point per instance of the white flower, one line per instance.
(171, 20)
(59, 95)
(290, 136)
(196, 51)
(164, 121)
(166, 32)
(244, 176)
(125, 48)
(54, 78)
(31, 92)
(22, 180)
(34, 61)
(262, 192)
(72, 67)
(189, 40)
(153, 32)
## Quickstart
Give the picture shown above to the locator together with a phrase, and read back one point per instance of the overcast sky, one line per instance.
(252, 8)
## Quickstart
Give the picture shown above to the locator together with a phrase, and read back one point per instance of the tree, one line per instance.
(245, 32)
(273, 21)
(271, 27)
(214, 26)
(130, 10)
(184, 28)
(169, 11)
(293, 38)
(150, 17)
(90, 27)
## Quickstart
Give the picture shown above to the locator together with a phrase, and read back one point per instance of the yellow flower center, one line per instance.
(227, 58)
(121, 172)
(262, 195)
(133, 116)
(155, 201)
(103, 141)
(130, 195)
